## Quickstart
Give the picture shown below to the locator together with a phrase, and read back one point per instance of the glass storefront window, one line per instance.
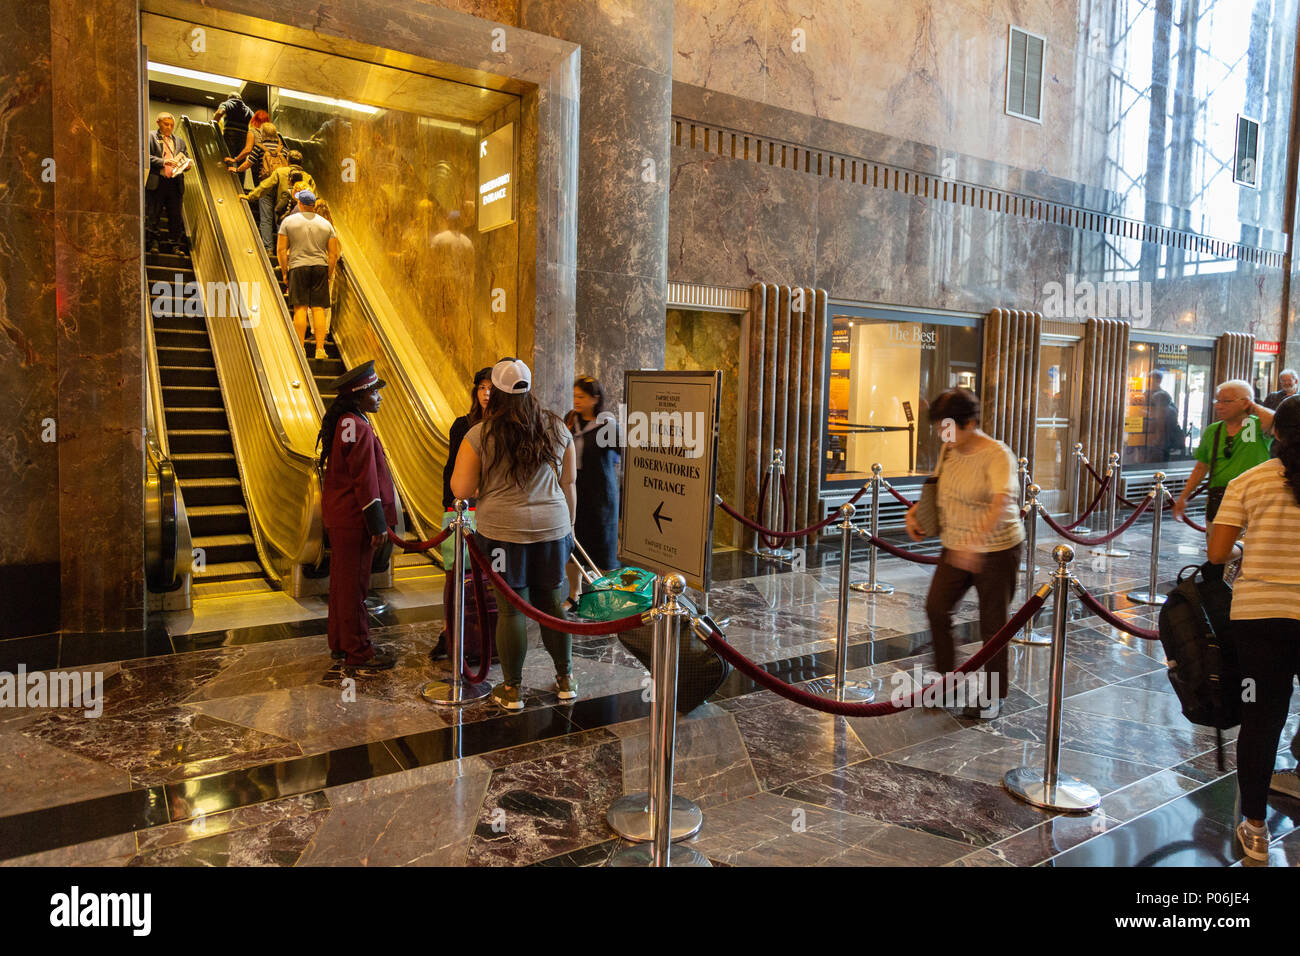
(883, 371)
(1262, 377)
(1170, 393)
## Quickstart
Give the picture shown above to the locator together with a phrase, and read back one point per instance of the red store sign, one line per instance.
(1268, 348)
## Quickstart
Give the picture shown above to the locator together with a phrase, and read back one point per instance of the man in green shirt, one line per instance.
(1237, 442)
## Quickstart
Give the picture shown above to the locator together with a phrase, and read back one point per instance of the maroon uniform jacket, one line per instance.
(358, 489)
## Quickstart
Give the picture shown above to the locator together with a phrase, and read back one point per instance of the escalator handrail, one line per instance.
(281, 445)
(300, 355)
(223, 249)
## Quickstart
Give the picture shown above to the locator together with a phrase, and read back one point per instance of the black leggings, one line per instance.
(1269, 653)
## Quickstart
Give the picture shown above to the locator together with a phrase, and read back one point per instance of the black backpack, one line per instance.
(1202, 662)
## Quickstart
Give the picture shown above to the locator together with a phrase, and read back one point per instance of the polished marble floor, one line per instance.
(245, 747)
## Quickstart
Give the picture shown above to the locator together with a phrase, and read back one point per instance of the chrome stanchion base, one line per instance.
(878, 588)
(629, 817)
(1070, 795)
(851, 691)
(1109, 552)
(1032, 638)
(1146, 597)
(643, 855)
(440, 692)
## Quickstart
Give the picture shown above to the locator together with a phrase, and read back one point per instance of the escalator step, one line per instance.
(221, 548)
(189, 357)
(182, 338)
(205, 465)
(189, 395)
(182, 323)
(210, 520)
(179, 376)
(196, 417)
(211, 491)
(227, 570)
(197, 441)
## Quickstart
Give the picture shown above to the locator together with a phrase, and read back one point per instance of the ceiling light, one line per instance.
(193, 74)
(326, 100)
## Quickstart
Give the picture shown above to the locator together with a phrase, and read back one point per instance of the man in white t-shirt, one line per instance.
(308, 250)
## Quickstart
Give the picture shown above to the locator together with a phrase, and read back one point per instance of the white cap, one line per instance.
(512, 376)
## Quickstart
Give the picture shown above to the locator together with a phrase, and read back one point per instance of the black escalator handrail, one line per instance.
(163, 576)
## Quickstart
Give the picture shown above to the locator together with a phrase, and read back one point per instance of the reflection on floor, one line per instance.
(250, 749)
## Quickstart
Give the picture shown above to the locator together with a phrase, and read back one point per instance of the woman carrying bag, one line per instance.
(975, 494)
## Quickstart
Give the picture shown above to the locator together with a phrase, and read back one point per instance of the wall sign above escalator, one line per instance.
(496, 179)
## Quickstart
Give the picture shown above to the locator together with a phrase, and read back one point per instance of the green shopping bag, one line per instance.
(618, 594)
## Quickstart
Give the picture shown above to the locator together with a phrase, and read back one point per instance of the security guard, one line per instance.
(358, 509)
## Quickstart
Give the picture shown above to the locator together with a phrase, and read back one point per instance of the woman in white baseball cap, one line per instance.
(520, 465)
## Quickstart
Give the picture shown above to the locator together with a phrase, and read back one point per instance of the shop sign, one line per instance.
(1268, 348)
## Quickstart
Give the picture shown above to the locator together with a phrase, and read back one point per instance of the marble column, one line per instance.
(29, 464)
(625, 119)
(95, 78)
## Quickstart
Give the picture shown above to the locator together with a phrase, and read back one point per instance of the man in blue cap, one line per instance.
(358, 508)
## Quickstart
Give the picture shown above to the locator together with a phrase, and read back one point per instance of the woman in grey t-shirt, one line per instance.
(519, 463)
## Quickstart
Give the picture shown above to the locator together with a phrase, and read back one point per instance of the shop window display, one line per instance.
(882, 373)
(1169, 396)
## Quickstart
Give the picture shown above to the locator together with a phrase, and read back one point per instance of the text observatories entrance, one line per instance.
(1054, 428)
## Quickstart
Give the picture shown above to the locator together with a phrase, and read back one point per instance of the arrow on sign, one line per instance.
(660, 517)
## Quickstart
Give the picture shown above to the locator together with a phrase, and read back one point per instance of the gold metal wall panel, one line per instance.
(1102, 382)
(1234, 355)
(1010, 393)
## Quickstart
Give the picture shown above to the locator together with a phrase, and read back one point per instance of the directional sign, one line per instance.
(670, 425)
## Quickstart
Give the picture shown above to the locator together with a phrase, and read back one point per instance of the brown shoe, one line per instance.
(380, 662)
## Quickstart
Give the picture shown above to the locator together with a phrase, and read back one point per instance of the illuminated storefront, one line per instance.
(883, 369)
(1168, 406)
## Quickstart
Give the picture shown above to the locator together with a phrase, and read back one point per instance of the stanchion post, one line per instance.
(1152, 595)
(1049, 788)
(661, 851)
(839, 688)
(1112, 508)
(1022, 477)
(1030, 635)
(457, 692)
(872, 586)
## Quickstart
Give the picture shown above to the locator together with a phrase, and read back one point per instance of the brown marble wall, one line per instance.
(410, 174)
(97, 224)
(29, 466)
(622, 179)
(712, 340)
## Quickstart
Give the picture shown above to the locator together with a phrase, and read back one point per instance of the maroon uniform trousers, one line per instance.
(357, 502)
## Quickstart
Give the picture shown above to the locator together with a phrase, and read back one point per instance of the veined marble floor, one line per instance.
(253, 751)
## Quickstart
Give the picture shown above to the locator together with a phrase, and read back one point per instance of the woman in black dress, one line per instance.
(479, 394)
(595, 437)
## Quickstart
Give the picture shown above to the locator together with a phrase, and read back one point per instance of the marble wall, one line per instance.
(1139, 99)
(699, 340)
(411, 173)
(733, 222)
(622, 179)
(29, 335)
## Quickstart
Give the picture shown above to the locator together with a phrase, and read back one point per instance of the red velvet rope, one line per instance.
(420, 545)
(1128, 627)
(898, 552)
(778, 535)
(899, 495)
(754, 672)
(1092, 507)
(486, 639)
(1128, 522)
(1190, 523)
(545, 620)
(1092, 471)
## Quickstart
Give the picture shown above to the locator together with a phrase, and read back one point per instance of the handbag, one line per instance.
(927, 507)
